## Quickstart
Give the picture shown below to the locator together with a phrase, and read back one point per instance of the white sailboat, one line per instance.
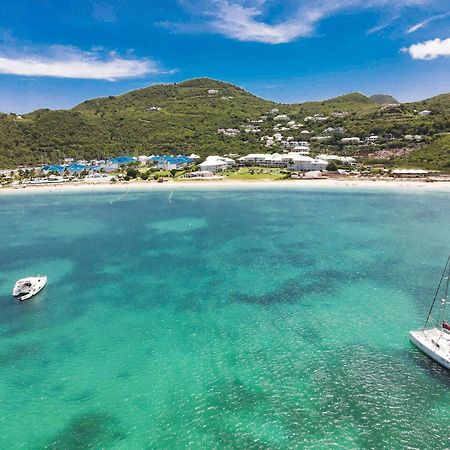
(25, 288)
(434, 337)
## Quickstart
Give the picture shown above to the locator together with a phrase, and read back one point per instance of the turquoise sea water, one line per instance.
(222, 319)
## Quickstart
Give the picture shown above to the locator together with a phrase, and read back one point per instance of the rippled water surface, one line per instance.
(222, 319)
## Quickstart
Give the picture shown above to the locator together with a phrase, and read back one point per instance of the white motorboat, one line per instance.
(434, 337)
(25, 288)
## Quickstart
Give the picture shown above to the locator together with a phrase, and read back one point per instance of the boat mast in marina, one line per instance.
(434, 337)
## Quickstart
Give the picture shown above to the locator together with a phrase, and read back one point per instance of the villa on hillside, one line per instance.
(228, 131)
(351, 140)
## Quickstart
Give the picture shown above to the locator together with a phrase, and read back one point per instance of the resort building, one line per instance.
(122, 160)
(172, 162)
(291, 160)
(306, 163)
(216, 164)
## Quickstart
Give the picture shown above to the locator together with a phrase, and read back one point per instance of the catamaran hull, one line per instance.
(425, 343)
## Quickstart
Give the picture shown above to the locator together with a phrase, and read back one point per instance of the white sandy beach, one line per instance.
(366, 184)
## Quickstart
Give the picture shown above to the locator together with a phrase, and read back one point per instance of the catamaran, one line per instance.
(434, 337)
(25, 288)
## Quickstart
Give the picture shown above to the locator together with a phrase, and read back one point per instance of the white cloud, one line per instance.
(378, 28)
(250, 20)
(429, 49)
(425, 22)
(70, 62)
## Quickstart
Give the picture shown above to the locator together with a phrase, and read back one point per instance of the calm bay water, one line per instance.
(222, 319)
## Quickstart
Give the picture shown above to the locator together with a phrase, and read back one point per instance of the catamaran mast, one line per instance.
(445, 276)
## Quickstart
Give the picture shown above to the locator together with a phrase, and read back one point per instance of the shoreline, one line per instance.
(327, 183)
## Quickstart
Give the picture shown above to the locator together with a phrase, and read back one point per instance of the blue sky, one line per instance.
(56, 54)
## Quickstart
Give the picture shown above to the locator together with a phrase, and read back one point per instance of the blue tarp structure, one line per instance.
(122, 160)
(172, 159)
(53, 168)
(76, 168)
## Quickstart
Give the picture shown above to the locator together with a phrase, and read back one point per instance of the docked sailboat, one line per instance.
(434, 337)
(26, 288)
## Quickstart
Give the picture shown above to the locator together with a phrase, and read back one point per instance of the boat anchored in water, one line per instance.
(434, 337)
(25, 288)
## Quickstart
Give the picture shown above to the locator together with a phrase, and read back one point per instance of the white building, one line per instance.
(410, 137)
(228, 131)
(306, 163)
(372, 138)
(424, 113)
(342, 159)
(216, 164)
(321, 138)
(213, 91)
(316, 118)
(333, 130)
(351, 140)
(199, 174)
(143, 160)
(282, 117)
(292, 160)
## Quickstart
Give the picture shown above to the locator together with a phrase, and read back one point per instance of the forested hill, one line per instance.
(185, 118)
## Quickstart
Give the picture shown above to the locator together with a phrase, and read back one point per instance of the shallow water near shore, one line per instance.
(222, 319)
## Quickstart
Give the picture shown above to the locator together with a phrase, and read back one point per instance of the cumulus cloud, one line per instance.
(70, 62)
(428, 50)
(251, 20)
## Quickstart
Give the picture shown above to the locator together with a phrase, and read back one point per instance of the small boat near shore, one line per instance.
(26, 288)
(434, 337)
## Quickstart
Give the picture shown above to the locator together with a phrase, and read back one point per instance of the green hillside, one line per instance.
(383, 99)
(435, 155)
(185, 117)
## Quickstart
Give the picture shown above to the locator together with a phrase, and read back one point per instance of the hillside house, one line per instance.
(282, 117)
(228, 131)
(351, 140)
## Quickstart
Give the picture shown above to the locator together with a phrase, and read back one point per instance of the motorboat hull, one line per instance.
(435, 343)
(26, 288)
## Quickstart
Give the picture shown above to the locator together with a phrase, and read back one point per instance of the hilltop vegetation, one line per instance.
(185, 118)
(383, 99)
